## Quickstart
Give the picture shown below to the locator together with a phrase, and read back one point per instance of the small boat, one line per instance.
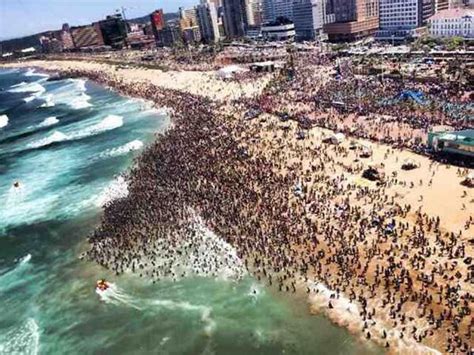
(102, 285)
(16, 185)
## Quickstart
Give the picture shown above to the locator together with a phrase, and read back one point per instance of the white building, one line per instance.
(399, 18)
(308, 18)
(278, 31)
(453, 22)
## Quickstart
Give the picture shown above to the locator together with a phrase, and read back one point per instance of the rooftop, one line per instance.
(452, 14)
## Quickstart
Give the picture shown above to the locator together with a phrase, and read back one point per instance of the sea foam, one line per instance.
(55, 137)
(49, 121)
(118, 188)
(124, 149)
(3, 121)
(22, 340)
(35, 87)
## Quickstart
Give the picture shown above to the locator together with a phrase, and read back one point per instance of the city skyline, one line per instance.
(51, 14)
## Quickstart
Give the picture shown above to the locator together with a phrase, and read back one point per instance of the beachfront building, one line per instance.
(114, 31)
(208, 22)
(281, 29)
(235, 18)
(157, 21)
(87, 36)
(452, 22)
(189, 25)
(272, 9)
(399, 19)
(66, 38)
(308, 19)
(349, 20)
(254, 10)
(439, 5)
(460, 143)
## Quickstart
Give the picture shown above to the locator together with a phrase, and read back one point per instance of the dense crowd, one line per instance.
(290, 221)
(332, 95)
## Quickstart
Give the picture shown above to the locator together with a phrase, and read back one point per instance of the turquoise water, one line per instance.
(66, 143)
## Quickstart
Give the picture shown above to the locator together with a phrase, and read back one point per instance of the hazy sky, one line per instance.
(24, 17)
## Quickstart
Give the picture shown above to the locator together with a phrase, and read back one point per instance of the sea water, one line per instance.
(63, 147)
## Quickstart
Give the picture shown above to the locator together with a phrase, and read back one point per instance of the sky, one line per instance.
(25, 17)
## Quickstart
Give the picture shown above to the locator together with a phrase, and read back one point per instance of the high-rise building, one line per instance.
(399, 18)
(272, 9)
(87, 36)
(64, 35)
(171, 35)
(208, 21)
(157, 21)
(308, 18)
(254, 12)
(348, 20)
(235, 18)
(114, 30)
(189, 24)
(439, 5)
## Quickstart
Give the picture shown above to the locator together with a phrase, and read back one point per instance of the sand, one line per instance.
(440, 194)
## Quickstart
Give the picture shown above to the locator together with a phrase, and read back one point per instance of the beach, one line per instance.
(389, 261)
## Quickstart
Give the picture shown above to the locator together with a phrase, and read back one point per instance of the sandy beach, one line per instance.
(387, 261)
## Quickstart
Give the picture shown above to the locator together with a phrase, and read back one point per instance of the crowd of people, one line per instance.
(333, 95)
(292, 214)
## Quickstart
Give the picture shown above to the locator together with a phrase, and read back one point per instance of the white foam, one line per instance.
(26, 259)
(48, 101)
(32, 72)
(80, 102)
(3, 121)
(23, 83)
(117, 189)
(124, 149)
(56, 136)
(114, 295)
(35, 87)
(23, 340)
(30, 98)
(108, 123)
(49, 121)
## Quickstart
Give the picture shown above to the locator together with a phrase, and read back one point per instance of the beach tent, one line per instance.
(229, 71)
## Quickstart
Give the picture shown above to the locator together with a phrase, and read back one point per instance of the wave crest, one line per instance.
(3, 121)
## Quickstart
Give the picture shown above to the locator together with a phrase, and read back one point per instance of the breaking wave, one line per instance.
(124, 149)
(55, 137)
(108, 123)
(29, 87)
(32, 72)
(48, 101)
(49, 121)
(117, 189)
(23, 340)
(3, 121)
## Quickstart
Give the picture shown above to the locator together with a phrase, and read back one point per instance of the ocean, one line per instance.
(63, 147)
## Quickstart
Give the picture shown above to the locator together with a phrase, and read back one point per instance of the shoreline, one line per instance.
(125, 89)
